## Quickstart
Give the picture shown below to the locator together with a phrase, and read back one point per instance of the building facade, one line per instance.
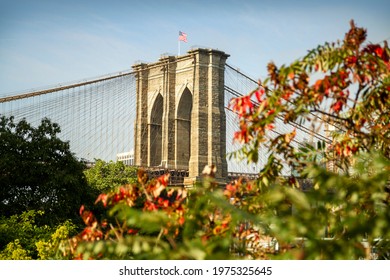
(127, 158)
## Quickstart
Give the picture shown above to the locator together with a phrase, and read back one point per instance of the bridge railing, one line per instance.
(176, 176)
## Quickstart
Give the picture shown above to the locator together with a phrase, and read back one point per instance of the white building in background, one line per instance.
(127, 158)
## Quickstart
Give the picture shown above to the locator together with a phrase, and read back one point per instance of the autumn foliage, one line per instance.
(345, 84)
(146, 197)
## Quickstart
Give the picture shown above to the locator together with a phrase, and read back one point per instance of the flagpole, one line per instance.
(182, 37)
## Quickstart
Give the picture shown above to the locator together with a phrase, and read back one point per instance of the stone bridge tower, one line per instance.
(180, 120)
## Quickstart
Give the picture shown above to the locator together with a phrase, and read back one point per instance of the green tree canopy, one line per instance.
(106, 176)
(39, 172)
(22, 238)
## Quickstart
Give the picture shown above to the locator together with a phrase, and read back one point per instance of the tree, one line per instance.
(22, 238)
(347, 85)
(106, 176)
(39, 172)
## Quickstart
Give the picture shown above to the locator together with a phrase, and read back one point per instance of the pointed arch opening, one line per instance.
(183, 130)
(155, 132)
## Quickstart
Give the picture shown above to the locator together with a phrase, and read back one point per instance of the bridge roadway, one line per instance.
(177, 176)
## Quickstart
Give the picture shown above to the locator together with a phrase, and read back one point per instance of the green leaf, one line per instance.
(298, 198)
(148, 222)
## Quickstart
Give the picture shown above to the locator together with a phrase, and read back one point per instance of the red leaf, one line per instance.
(259, 93)
(337, 106)
(150, 206)
(103, 198)
(286, 96)
(242, 105)
(270, 112)
(164, 179)
(270, 126)
(132, 231)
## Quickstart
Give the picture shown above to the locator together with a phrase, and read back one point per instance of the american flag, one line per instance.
(183, 36)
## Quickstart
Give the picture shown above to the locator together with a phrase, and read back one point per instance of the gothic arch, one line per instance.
(183, 130)
(155, 131)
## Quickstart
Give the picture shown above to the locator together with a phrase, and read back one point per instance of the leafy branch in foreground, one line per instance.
(346, 87)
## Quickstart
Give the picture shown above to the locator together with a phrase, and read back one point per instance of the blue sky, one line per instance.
(43, 42)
